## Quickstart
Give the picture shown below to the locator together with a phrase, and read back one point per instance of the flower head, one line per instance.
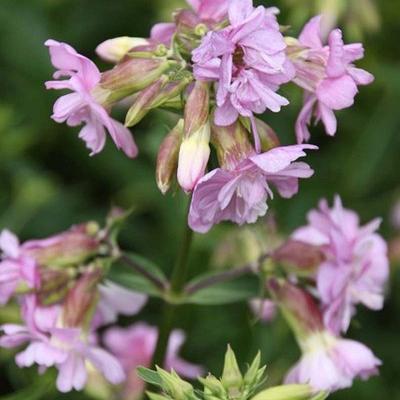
(330, 363)
(248, 61)
(327, 74)
(82, 105)
(356, 267)
(51, 344)
(240, 194)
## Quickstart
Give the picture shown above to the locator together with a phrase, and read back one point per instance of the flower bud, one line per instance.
(81, 299)
(174, 386)
(144, 102)
(54, 284)
(131, 76)
(299, 256)
(231, 376)
(231, 143)
(114, 50)
(167, 159)
(287, 392)
(213, 388)
(298, 307)
(195, 148)
(155, 95)
(268, 137)
(65, 249)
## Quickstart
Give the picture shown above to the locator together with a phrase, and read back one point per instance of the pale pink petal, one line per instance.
(163, 32)
(360, 76)
(311, 34)
(9, 244)
(328, 118)
(240, 10)
(94, 135)
(279, 158)
(72, 374)
(304, 119)
(107, 364)
(337, 93)
(336, 66)
(226, 114)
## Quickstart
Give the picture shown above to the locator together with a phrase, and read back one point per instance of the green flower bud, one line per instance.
(131, 76)
(231, 376)
(174, 386)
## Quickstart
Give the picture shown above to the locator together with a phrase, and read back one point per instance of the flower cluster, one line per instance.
(220, 63)
(61, 286)
(351, 269)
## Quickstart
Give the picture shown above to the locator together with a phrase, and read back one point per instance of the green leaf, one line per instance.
(130, 277)
(228, 292)
(149, 376)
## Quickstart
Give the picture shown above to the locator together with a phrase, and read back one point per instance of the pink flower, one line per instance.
(68, 349)
(16, 268)
(328, 75)
(115, 300)
(134, 346)
(240, 194)
(82, 106)
(330, 363)
(248, 61)
(356, 269)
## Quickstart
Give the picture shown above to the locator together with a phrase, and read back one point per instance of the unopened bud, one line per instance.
(81, 299)
(155, 95)
(231, 377)
(301, 256)
(54, 284)
(213, 388)
(268, 137)
(195, 148)
(114, 50)
(231, 143)
(65, 249)
(167, 159)
(144, 102)
(173, 385)
(197, 108)
(298, 307)
(287, 392)
(131, 76)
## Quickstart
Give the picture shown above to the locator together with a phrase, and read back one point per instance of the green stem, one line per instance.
(180, 271)
(177, 283)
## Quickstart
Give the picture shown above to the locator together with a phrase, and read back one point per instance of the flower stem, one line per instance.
(177, 283)
(225, 276)
(158, 282)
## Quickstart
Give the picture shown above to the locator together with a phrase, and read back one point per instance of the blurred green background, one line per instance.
(48, 182)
